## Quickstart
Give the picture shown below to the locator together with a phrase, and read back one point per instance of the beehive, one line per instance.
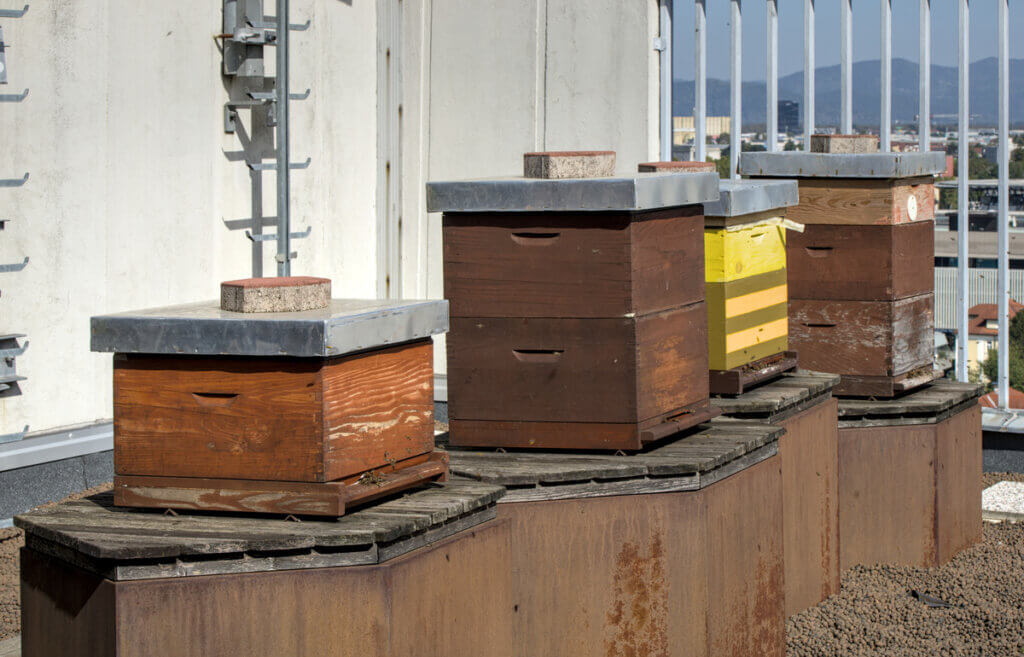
(861, 274)
(578, 316)
(272, 411)
(745, 273)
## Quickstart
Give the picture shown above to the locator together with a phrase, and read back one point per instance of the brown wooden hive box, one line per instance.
(877, 347)
(861, 263)
(326, 425)
(578, 317)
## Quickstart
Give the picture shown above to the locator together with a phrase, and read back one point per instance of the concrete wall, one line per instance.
(487, 80)
(123, 135)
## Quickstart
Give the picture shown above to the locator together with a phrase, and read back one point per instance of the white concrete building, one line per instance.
(123, 135)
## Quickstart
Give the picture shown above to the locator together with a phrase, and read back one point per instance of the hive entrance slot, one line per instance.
(530, 238)
(537, 355)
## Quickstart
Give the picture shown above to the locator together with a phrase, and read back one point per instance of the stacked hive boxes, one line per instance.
(861, 275)
(578, 316)
(745, 270)
(279, 400)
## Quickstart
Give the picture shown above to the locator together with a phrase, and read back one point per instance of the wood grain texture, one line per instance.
(887, 496)
(672, 361)
(273, 419)
(863, 201)
(809, 454)
(218, 417)
(869, 338)
(590, 264)
(734, 381)
(862, 263)
(378, 408)
(333, 498)
(742, 252)
(625, 370)
(958, 468)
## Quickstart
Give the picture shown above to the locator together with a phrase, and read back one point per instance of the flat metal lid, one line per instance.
(636, 192)
(694, 461)
(345, 326)
(124, 544)
(742, 197)
(926, 405)
(793, 164)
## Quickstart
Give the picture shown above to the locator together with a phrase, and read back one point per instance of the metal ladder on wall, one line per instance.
(10, 348)
(246, 31)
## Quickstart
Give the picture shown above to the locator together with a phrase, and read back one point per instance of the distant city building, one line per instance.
(683, 130)
(789, 116)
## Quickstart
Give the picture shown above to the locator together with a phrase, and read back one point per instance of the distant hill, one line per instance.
(867, 95)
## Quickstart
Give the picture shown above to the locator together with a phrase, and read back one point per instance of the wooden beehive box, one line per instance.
(866, 256)
(578, 318)
(249, 411)
(745, 272)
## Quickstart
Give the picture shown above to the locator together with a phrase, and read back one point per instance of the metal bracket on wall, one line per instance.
(13, 437)
(246, 31)
(9, 351)
(7, 269)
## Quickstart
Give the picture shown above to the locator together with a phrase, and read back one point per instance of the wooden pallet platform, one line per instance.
(690, 462)
(738, 379)
(332, 498)
(132, 544)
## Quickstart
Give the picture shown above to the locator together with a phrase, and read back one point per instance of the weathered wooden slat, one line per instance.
(95, 529)
(792, 392)
(671, 465)
(929, 400)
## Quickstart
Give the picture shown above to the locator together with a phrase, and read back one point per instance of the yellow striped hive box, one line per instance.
(745, 269)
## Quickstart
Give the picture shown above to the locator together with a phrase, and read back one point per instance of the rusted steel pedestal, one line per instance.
(910, 476)
(672, 551)
(802, 404)
(424, 574)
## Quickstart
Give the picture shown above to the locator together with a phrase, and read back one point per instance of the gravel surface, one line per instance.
(876, 614)
(11, 542)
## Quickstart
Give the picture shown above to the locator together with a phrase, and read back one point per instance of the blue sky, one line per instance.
(866, 18)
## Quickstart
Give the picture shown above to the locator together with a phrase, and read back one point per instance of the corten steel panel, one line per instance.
(452, 598)
(868, 338)
(862, 263)
(887, 495)
(809, 452)
(746, 596)
(958, 483)
(65, 611)
(606, 264)
(624, 370)
(864, 202)
(618, 575)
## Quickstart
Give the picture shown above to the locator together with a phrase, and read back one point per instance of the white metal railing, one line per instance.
(699, 151)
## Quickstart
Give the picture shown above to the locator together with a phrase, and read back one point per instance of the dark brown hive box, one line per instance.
(577, 308)
(290, 412)
(861, 276)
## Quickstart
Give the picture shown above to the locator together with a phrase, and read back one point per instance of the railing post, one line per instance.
(665, 29)
(1003, 226)
(846, 66)
(772, 74)
(284, 259)
(885, 38)
(808, 73)
(924, 114)
(962, 193)
(736, 89)
(700, 77)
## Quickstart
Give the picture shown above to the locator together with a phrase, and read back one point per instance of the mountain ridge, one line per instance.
(867, 94)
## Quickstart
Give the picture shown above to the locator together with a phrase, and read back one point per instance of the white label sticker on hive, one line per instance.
(912, 207)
